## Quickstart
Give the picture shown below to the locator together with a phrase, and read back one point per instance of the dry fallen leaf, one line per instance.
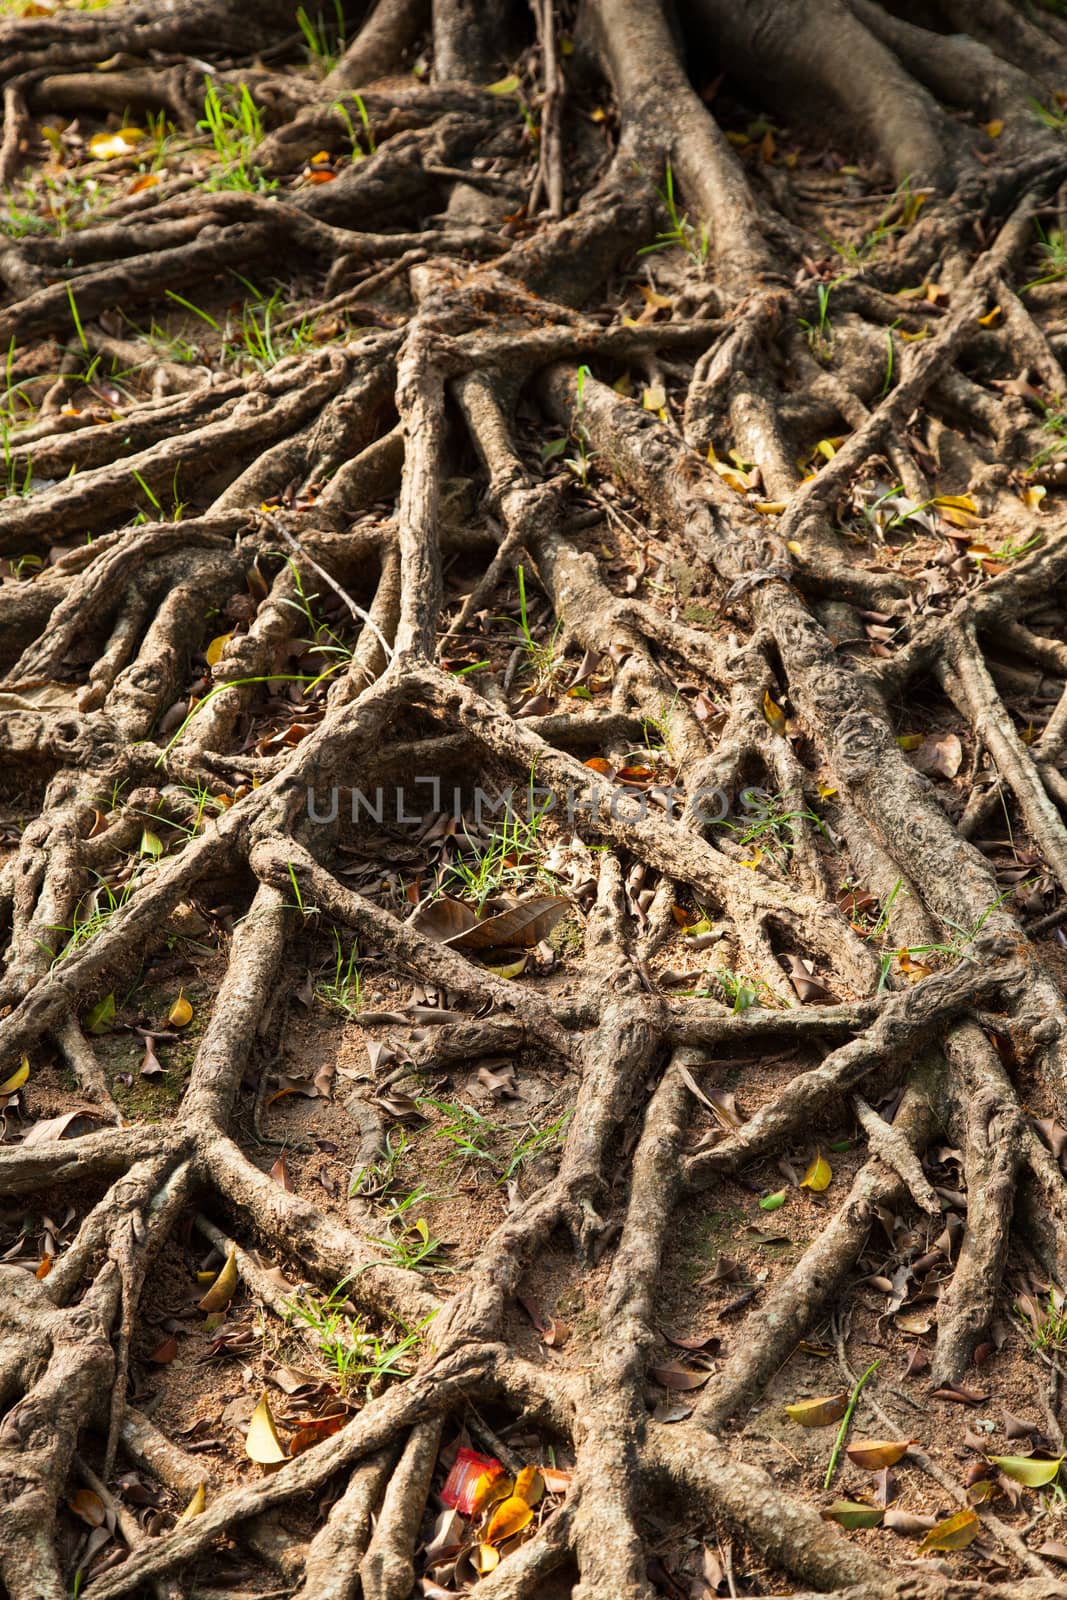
(17, 1078)
(123, 142)
(222, 1290)
(181, 1012)
(262, 1443)
(774, 713)
(818, 1176)
(195, 1506)
(280, 1173)
(874, 1454)
(818, 1413)
(955, 1533)
(88, 1506)
(673, 1375)
(508, 1519)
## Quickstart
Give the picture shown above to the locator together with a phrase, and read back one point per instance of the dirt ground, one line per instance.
(405, 410)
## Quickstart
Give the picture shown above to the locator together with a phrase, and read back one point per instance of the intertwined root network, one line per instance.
(327, 472)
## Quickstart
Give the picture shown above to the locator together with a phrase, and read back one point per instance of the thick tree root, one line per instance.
(481, 334)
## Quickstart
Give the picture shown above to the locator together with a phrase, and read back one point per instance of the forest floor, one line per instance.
(697, 1167)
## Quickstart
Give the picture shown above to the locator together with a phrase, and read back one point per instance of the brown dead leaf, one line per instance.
(520, 927)
(88, 1506)
(807, 986)
(673, 1375)
(939, 755)
(280, 1173)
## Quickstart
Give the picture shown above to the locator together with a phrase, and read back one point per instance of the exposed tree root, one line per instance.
(401, 473)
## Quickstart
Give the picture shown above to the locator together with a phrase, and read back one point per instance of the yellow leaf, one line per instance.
(529, 1485)
(489, 1488)
(106, 146)
(817, 1178)
(913, 338)
(910, 741)
(874, 1454)
(181, 1012)
(1025, 1469)
(912, 970)
(753, 861)
(487, 1558)
(827, 448)
(659, 302)
(503, 85)
(151, 844)
(773, 712)
(818, 1413)
(826, 790)
(952, 1534)
(221, 1292)
(195, 1506)
(261, 1441)
(712, 457)
(959, 501)
(770, 508)
(511, 970)
(509, 1518)
(990, 318)
(1033, 495)
(795, 548)
(738, 481)
(994, 128)
(960, 519)
(213, 653)
(654, 397)
(17, 1078)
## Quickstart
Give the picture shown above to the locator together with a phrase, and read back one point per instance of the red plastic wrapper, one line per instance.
(471, 1475)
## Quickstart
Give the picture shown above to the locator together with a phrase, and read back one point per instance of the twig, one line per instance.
(356, 610)
(846, 1419)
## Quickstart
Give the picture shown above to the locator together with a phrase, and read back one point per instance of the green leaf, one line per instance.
(851, 1514)
(1029, 1470)
(772, 1202)
(151, 844)
(101, 1015)
(554, 448)
(503, 85)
